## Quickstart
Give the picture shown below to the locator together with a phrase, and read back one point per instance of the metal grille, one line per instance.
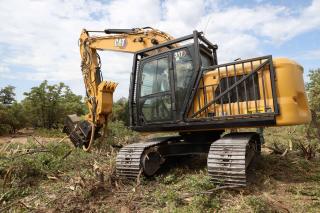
(236, 90)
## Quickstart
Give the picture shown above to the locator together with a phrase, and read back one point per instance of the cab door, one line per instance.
(155, 90)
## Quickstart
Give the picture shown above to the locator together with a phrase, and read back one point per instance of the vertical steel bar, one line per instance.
(273, 86)
(254, 88)
(205, 95)
(263, 85)
(237, 92)
(245, 87)
(214, 103)
(199, 101)
(192, 105)
(221, 100)
(229, 91)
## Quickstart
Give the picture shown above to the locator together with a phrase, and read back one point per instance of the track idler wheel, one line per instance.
(151, 161)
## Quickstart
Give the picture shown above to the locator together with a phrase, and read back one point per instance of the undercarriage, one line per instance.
(228, 157)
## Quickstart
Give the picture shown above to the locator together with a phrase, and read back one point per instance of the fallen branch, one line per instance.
(25, 205)
(134, 188)
(66, 155)
(284, 153)
(6, 177)
(52, 177)
(30, 152)
(275, 150)
(38, 141)
(63, 138)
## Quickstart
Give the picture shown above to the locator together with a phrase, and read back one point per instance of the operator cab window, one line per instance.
(183, 73)
(155, 77)
(155, 91)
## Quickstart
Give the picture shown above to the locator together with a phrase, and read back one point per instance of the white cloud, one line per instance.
(4, 69)
(42, 35)
(285, 27)
(311, 55)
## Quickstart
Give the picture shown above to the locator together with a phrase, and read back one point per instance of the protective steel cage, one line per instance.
(237, 94)
(197, 40)
(236, 90)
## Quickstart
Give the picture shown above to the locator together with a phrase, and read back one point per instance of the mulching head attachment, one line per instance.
(79, 131)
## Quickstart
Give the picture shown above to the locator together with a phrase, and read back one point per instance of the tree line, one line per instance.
(43, 106)
(46, 106)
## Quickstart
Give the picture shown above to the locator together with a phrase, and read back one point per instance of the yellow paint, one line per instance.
(289, 86)
(101, 93)
(289, 81)
(291, 94)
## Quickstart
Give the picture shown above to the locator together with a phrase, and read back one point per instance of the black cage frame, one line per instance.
(194, 123)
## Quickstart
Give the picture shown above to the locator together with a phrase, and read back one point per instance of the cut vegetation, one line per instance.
(52, 176)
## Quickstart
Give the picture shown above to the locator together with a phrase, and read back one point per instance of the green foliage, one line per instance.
(49, 133)
(180, 192)
(258, 204)
(47, 105)
(12, 115)
(199, 184)
(120, 111)
(308, 139)
(313, 88)
(305, 138)
(117, 134)
(16, 117)
(168, 197)
(7, 95)
(20, 172)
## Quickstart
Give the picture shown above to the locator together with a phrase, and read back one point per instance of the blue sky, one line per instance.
(38, 39)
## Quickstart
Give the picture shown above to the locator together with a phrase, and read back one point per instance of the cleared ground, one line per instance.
(44, 175)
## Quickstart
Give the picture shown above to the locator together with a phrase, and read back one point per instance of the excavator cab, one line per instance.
(165, 80)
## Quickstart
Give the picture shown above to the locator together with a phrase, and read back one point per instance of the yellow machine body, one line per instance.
(289, 84)
(275, 96)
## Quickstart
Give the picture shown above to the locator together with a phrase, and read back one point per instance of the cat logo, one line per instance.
(120, 42)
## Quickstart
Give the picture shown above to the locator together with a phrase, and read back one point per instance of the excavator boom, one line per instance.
(99, 92)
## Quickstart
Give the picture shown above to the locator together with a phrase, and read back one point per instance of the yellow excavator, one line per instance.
(177, 85)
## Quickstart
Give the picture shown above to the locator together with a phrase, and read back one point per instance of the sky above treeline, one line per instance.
(39, 39)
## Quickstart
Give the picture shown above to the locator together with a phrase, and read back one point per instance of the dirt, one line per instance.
(22, 137)
(277, 184)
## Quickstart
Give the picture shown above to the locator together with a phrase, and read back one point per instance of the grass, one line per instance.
(66, 179)
(48, 133)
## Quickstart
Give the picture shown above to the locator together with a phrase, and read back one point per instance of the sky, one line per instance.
(39, 38)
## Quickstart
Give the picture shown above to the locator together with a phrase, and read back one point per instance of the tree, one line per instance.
(12, 115)
(47, 105)
(16, 118)
(313, 89)
(4, 127)
(7, 95)
(309, 143)
(120, 111)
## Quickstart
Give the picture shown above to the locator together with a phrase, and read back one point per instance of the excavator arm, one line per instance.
(99, 92)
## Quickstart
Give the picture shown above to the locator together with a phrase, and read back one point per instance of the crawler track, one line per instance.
(129, 159)
(229, 158)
